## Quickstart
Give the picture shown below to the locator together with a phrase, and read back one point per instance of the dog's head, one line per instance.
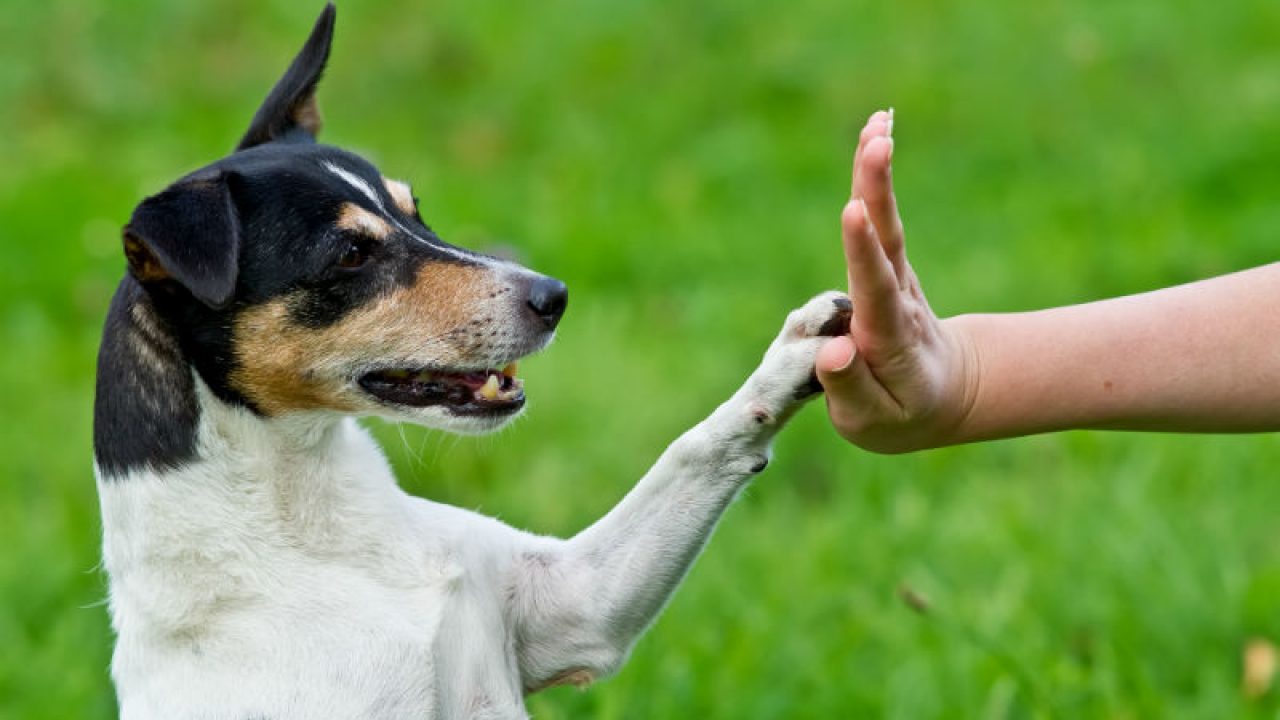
(297, 278)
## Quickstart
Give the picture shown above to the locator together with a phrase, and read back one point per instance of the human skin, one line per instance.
(1201, 357)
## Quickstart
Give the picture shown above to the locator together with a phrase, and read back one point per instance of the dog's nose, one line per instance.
(547, 299)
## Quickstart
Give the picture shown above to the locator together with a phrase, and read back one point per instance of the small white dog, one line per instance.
(263, 562)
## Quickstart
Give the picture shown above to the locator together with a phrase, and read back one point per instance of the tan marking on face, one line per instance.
(402, 195)
(279, 375)
(283, 366)
(357, 219)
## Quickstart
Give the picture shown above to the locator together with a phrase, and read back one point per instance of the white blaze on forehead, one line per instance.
(356, 182)
(364, 188)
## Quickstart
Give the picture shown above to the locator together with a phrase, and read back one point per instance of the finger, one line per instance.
(853, 393)
(875, 186)
(880, 123)
(877, 305)
(877, 125)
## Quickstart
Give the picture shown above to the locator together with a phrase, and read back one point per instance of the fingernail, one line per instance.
(890, 156)
(889, 125)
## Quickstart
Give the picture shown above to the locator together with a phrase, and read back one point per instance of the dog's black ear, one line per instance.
(188, 234)
(290, 112)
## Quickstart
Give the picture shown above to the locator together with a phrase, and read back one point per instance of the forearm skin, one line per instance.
(1201, 357)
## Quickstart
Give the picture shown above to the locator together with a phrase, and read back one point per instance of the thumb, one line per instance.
(835, 357)
(845, 376)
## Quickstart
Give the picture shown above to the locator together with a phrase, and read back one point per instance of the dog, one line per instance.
(262, 561)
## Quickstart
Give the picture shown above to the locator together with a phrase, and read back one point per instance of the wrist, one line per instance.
(960, 421)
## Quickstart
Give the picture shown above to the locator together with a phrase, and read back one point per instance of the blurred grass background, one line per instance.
(681, 166)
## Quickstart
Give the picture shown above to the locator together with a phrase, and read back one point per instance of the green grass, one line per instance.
(681, 166)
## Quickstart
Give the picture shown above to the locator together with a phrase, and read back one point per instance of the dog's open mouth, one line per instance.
(469, 393)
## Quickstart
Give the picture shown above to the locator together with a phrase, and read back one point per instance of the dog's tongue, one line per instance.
(480, 379)
(427, 387)
(473, 380)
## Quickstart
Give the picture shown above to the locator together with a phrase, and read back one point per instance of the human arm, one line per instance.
(1201, 357)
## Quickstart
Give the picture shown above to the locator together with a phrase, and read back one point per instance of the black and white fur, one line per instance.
(263, 562)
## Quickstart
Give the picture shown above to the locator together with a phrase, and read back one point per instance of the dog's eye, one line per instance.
(356, 254)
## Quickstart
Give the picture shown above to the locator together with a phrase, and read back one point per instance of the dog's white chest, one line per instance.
(344, 652)
(335, 644)
(364, 612)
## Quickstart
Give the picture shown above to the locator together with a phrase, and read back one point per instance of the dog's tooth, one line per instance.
(515, 391)
(510, 370)
(397, 374)
(490, 389)
(517, 387)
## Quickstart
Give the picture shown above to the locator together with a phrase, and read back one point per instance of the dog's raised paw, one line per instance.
(787, 370)
(825, 315)
(838, 322)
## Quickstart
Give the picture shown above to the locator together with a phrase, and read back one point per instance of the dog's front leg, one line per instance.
(580, 604)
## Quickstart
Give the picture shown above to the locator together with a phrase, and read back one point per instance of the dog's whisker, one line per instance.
(415, 462)
(102, 602)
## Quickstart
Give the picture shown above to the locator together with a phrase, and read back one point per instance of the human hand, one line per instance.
(901, 380)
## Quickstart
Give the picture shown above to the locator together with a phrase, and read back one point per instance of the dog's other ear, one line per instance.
(188, 234)
(290, 112)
